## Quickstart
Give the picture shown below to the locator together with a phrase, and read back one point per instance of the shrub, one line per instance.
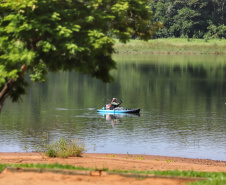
(65, 148)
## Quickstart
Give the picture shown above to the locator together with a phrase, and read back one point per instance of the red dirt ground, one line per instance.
(103, 161)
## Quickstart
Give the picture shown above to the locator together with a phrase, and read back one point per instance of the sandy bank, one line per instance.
(100, 161)
(120, 161)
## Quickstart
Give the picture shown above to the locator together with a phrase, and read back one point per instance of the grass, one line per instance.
(134, 157)
(46, 166)
(65, 148)
(213, 178)
(111, 156)
(173, 46)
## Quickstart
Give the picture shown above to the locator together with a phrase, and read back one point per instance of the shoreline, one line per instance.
(103, 161)
(118, 161)
(173, 46)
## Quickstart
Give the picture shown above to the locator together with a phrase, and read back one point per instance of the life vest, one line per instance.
(108, 106)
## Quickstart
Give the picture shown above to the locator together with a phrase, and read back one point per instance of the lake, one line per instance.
(182, 100)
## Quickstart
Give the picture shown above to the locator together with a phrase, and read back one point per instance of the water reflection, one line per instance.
(182, 100)
(115, 119)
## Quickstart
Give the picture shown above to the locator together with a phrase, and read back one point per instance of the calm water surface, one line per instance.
(182, 101)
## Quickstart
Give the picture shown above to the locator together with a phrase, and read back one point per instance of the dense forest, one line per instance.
(190, 18)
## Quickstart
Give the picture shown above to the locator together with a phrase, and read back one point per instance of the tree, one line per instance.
(164, 11)
(187, 17)
(38, 36)
(219, 9)
(186, 21)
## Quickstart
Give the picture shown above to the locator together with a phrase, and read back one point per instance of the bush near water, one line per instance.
(65, 148)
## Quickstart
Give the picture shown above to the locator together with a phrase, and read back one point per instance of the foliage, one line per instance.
(192, 18)
(65, 148)
(216, 32)
(65, 35)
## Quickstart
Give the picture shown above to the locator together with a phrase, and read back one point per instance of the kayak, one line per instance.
(117, 111)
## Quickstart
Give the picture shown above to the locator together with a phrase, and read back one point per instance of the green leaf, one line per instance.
(46, 46)
(13, 74)
(69, 35)
(55, 16)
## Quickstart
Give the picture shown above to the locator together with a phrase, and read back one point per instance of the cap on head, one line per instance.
(114, 99)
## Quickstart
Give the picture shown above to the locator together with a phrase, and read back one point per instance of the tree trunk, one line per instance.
(222, 10)
(9, 86)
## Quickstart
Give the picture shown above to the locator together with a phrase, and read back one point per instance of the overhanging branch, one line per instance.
(9, 86)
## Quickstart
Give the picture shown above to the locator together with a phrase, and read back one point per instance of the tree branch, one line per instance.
(9, 86)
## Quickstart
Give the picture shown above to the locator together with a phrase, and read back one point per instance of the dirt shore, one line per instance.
(103, 161)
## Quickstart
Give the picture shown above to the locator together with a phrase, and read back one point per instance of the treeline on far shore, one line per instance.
(190, 18)
(189, 27)
(173, 46)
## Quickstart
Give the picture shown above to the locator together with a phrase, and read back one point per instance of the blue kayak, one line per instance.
(117, 111)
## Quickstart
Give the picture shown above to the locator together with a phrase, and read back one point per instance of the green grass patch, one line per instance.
(2, 166)
(45, 166)
(173, 46)
(213, 178)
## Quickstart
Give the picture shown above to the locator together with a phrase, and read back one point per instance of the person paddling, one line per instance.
(114, 104)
